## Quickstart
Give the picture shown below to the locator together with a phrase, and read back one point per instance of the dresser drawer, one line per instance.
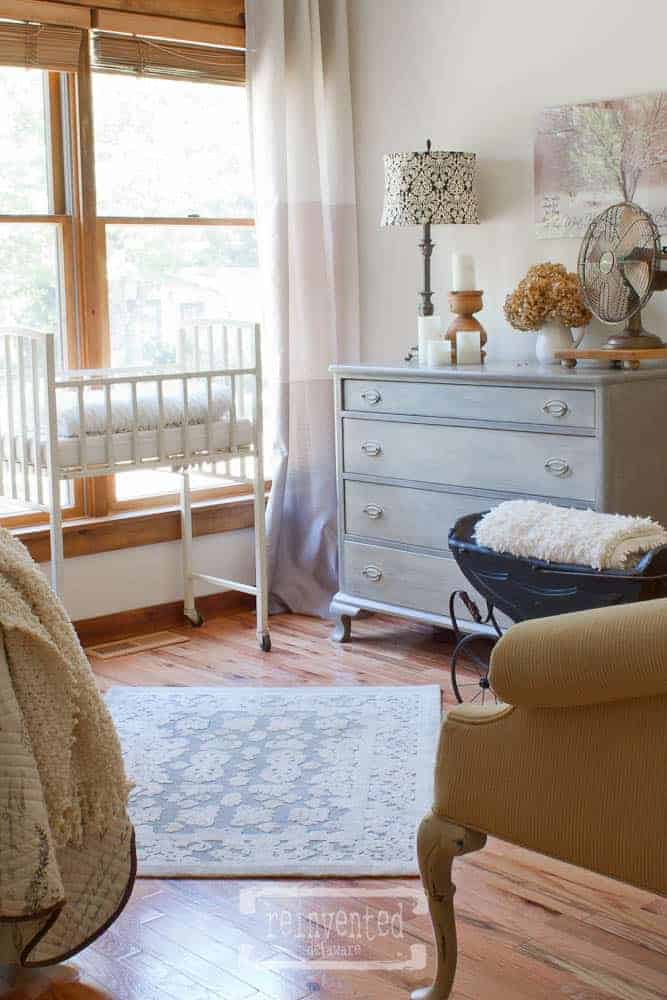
(408, 516)
(404, 579)
(473, 458)
(509, 404)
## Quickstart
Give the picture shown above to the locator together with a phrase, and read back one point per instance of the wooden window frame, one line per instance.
(85, 294)
(63, 218)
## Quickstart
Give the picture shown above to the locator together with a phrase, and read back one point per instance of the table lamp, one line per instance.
(434, 187)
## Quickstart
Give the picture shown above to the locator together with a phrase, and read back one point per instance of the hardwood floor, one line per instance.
(529, 928)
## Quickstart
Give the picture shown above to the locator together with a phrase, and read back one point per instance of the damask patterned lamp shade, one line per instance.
(433, 187)
(430, 188)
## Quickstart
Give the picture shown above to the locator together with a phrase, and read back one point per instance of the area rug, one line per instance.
(277, 781)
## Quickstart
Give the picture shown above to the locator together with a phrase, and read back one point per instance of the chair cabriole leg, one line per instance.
(439, 842)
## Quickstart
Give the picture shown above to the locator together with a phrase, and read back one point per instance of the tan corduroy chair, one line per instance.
(572, 766)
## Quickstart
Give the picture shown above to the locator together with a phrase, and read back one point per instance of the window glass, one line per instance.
(167, 148)
(162, 277)
(29, 276)
(23, 161)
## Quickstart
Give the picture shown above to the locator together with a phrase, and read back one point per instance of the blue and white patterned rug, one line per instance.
(278, 781)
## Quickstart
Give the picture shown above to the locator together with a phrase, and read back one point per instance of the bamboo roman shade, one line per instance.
(116, 53)
(45, 46)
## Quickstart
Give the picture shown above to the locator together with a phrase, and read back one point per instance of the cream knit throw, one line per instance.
(66, 843)
(567, 535)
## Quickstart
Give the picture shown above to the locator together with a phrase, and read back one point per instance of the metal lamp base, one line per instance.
(633, 338)
(632, 341)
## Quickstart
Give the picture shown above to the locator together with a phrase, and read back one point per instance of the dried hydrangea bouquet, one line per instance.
(549, 300)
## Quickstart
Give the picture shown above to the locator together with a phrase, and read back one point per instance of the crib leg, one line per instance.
(261, 571)
(56, 537)
(261, 576)
(189, 609)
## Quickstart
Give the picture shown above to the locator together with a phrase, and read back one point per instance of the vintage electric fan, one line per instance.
(621, 264)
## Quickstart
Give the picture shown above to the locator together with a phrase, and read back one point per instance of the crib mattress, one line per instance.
(147, 444)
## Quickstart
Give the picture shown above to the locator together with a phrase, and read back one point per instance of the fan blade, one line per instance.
(637, 274)
(617, 298)
(643, 254)
(603, 300)
(625, 220)
(596, 250)
(634, 238)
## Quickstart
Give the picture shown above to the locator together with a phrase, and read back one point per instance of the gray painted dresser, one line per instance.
(417, 448)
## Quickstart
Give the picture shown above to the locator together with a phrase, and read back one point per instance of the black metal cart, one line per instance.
(524, 588)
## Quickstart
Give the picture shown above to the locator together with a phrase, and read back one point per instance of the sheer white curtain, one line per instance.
(301, 121)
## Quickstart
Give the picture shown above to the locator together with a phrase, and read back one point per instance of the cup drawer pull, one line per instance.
(372, 448)
(374, 510)
(372, 572)
(372, 396)
(555, 408)
(557, 466)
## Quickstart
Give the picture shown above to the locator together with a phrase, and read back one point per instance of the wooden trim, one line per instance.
(211, 11)
(46, 12)
(236, 490)
(95, 347)
(56, 148)
(102, 351)
(140, 621)
(171, 28)
(72, 119)
(142, 220)
(68, 284)
(95, 341)
(39, 219)
(35, 518)
(130, 530)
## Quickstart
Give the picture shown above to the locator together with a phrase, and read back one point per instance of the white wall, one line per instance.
(472, 75)
(151, 574)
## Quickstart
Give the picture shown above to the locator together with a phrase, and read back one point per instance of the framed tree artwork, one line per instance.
(589, 156)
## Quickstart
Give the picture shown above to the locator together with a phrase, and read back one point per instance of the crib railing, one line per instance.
(28, 422)
(31, 392)
(185, 454)
(221, 343)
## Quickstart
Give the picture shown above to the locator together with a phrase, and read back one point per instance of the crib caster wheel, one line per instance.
(194, 618)
(265, 643)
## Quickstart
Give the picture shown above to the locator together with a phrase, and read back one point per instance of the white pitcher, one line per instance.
(555, 336)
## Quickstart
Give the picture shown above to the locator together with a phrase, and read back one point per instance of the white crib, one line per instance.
(204, 413)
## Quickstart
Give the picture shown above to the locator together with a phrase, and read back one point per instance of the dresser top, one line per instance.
(505, 372)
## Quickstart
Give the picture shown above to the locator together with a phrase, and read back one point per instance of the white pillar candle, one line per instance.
(428, 327)
(438, 353)
(463, 273)
(468, 347)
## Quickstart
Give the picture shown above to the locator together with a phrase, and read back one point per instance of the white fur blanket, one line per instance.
(66, 844)
(567, 535)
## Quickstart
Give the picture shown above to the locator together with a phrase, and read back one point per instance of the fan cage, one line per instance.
(594, 234)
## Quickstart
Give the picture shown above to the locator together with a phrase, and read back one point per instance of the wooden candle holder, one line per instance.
(465, 305)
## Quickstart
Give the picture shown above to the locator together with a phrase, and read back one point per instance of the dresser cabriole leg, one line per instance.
(342, 629)
(343, 615)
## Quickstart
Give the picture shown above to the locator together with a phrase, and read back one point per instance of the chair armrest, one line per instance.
(584, 658)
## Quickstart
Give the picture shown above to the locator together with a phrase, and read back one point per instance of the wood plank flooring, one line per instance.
(529, 928)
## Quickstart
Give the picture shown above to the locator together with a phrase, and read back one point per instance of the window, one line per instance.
(175, 222)
(36, 235)
(160, 232)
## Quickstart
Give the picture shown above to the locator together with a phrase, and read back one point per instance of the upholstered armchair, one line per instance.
(571, 765)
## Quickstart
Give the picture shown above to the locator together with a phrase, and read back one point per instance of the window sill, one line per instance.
(87, 536)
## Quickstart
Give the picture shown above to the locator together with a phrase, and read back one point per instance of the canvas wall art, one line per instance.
(589, 156)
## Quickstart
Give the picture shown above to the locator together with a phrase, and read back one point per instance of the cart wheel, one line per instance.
(194, 618)
(470, 669)
(265, 643)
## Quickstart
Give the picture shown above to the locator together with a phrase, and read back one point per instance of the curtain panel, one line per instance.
(297, 65)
